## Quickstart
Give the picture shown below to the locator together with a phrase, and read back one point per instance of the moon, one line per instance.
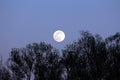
(59, 36)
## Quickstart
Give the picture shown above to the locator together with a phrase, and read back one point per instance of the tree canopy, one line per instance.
(89, 58)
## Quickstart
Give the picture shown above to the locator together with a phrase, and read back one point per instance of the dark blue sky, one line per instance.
(28, 21)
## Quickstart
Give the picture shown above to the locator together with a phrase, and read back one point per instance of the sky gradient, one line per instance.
(28, 21)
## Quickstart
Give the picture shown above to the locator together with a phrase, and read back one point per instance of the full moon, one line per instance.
(58, 36)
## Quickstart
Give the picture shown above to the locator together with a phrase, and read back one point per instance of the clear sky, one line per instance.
(28, 21)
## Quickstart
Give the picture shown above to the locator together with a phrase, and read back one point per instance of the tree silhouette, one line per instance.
(4, 72)
(112, 64)
(37, 61)
(88, 58)
(19, 63)
(85, 58)
(47, 62)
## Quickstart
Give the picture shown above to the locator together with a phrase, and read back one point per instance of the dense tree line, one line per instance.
(88, 58)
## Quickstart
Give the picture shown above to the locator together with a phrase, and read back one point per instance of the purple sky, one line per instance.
(28, 21)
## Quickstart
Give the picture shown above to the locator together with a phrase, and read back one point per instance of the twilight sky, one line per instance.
(28, 21)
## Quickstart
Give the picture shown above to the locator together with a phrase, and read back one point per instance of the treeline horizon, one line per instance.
(89, 58)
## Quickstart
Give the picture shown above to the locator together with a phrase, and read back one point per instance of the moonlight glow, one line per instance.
(59, 36)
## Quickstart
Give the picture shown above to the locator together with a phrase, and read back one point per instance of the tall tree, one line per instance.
(47, 65)
(36, 61)
(112, 64)
(85, 58)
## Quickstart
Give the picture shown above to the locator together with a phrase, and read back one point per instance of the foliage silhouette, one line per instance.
(38, 61)
(4, 72)
(88, 58)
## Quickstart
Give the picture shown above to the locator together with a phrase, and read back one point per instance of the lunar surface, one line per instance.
(59, 36)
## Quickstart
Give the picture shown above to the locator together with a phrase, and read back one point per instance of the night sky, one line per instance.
(28, 21)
